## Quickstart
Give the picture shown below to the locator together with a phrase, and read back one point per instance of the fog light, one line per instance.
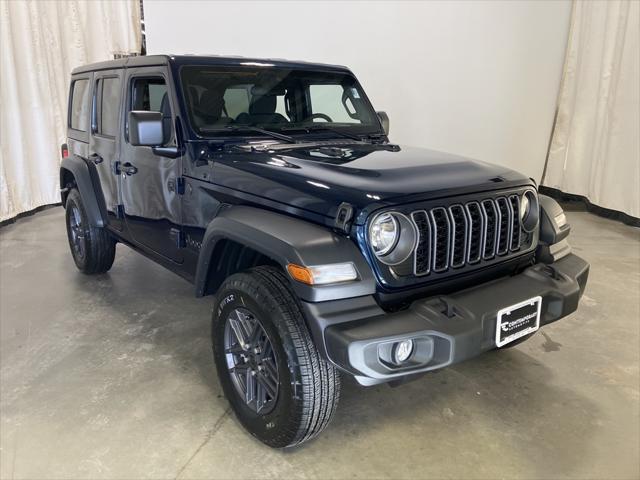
(402, 351)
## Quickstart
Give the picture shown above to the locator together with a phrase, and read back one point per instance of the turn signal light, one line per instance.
(323, 274)
(300, 274)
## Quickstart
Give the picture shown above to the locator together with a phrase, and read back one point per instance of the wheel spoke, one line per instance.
(269, 384)
(270, 369)
(238, 329)
(240, 369)
(250, 384)
(234, 349)
(256, 333)
(266, 348)
(261, 395)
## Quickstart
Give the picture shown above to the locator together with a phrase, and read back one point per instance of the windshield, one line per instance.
(223, 100)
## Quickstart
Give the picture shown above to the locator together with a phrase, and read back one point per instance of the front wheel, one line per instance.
(280, 388)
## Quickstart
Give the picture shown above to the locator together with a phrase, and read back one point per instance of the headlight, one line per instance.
(529, 211)
(384, 234)
(392, 237)
(524, 207)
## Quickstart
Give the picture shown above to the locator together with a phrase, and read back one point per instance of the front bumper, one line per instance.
(448, 329)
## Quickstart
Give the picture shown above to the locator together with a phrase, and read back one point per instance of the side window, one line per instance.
(80, 105)
(328, 100)
(151, 94)
(108, 106)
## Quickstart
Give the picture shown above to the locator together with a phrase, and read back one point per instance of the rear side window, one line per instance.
(80, 105)
(108, 106)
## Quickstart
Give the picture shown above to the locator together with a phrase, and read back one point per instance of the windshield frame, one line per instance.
(374, 130)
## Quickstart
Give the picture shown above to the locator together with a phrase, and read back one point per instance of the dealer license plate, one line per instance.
(518, 320)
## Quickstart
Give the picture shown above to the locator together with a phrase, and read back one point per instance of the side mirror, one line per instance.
(384, 119)
(145, 128)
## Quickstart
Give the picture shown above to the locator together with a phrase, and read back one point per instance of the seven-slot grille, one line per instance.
(466, 234)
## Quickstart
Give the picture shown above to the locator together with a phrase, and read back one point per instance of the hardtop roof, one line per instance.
(179, 60)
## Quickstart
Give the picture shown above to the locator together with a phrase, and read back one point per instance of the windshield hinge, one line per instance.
(343, 217)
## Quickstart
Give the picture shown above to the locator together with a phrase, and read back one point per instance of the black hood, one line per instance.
(319, 178)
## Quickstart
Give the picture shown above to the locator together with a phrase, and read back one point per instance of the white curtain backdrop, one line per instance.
(40, 43)
(595, 150)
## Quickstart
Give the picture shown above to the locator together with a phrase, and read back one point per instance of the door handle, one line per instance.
(128, 169)
(96, 158)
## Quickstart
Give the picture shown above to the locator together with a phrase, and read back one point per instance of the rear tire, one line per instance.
(307, 387)
(93, 248)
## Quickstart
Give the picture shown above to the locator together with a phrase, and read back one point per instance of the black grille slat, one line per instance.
(458, 235)
(504, 225)
(491, 235)
(422, 261)
(476, 232)
(515, 222)
(441, 234)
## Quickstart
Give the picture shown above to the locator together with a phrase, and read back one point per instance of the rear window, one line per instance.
(80, 105)
(109, 105)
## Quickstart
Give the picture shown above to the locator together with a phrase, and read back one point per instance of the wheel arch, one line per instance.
(74, 172)
(279, 240)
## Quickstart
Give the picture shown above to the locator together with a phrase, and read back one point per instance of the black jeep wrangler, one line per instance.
(273, 186)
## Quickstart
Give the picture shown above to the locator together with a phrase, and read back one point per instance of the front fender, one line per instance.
(287, 240)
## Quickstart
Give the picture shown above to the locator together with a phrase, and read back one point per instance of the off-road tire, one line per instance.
(99, 246)
(308, 386)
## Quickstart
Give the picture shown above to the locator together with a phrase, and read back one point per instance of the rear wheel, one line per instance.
(93, 248)
(280, 388)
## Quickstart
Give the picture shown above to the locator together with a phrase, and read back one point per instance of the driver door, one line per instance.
(152, 206)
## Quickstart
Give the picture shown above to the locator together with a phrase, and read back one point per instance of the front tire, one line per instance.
(280, 388)
(93, 248)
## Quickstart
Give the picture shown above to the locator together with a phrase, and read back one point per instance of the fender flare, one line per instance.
(86, 184)
(286, 240)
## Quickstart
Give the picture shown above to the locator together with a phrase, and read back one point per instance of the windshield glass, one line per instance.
(222, 100)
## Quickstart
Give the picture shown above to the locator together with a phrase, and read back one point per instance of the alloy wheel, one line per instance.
(251, 360)
(77, 232)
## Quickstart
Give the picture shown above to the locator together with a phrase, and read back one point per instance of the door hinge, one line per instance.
(179, 237)
(180, 184)
(120, 211)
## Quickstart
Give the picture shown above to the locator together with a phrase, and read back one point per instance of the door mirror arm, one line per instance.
(169, 152)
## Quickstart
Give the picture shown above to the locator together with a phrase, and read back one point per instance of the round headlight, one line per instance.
(392, 237)
(384, 234)
(529, 211)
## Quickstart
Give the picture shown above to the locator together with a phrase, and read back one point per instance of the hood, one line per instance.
(318, 178)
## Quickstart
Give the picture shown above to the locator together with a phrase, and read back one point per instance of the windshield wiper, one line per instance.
(249, 128)
(315, 128)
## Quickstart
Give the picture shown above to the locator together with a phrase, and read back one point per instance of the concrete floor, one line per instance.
(111, 377)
